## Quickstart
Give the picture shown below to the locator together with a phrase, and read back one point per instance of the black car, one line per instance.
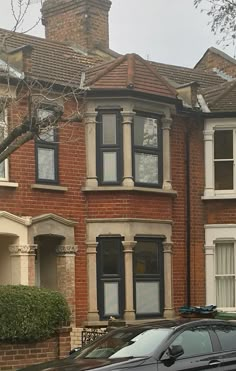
(205, 344)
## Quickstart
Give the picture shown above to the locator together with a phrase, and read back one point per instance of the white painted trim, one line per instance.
(215, 233)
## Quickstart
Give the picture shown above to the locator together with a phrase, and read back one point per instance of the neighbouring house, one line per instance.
(129, 211)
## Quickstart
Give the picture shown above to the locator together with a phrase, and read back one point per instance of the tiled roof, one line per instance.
(129, 72)
(177, 75)
(52, 61)
(221, 98)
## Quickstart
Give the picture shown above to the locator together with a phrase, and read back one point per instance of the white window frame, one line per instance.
(6, 162)
(211, 125)
(214, 234)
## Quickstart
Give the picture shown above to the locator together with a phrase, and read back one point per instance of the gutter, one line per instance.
(188, 224)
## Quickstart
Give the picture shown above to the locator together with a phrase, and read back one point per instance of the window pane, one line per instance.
(146, 168)
(225, 258)
(227, 337)
(109, 129)
(109, 166)
(2, 170)
(194, 342)
(147, 297)
(224, 175)
(46, 164)
(145, 131)
(223, 144)
(110, 258)
(225, 271)
(111, 298)
(47, 135)
(146, 258)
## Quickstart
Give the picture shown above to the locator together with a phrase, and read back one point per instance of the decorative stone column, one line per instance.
(92, 281)
(66, 274)
(90, 140)
(209, 160)
(129, 286)
(210, 274)
(166, 127)
(22, 264)
(168, 281)
(127, 148)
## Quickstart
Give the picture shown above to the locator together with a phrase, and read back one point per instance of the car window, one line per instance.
(227, 337)
(126, 343)
(194, 341)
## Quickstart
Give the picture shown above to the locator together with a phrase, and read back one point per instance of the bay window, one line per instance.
(109, 151)
(147, 151)
(3, 134)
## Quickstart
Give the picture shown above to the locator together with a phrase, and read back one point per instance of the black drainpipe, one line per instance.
(188, 215)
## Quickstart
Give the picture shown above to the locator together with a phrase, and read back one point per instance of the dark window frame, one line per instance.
(149, 151)
(53, 145)
(102, 278)
(151, 277)
(102, 148)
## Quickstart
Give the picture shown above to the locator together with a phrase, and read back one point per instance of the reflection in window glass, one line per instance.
(145, 131)
(146, 258)
(109, 166)
(223, 144)
(147, 297)
(111, 299)
(46, 164)
(146, 168)
(227, 337)
(109, 128)
(194, 342)
(110, 258)
(2, 170)
(224, 175)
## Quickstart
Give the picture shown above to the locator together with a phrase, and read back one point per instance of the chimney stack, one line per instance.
(78, 23)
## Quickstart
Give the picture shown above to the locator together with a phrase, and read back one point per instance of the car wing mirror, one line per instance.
(172, 353)
(176, 351)
(74, 350)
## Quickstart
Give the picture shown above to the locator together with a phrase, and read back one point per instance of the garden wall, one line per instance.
(14, 356)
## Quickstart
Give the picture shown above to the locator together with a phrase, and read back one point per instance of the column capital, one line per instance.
(129, 246)
(166, 123)
(66, 249)
(209, 249)
(168, 247)
(128, 117)
(91, 247)
(90, 117)
(208, 135)
(23, 249)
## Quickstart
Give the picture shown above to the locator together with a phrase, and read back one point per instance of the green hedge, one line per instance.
(31, 313)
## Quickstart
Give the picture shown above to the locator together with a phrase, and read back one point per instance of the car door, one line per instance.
(226, 334)
(198, 352)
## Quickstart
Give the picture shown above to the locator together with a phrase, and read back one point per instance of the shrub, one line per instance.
(31, 313)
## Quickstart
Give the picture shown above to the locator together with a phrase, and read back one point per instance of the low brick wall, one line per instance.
(14, 356)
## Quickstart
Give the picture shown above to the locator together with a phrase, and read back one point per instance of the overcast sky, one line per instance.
(167, 31)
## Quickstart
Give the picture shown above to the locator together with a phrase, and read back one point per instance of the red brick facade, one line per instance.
(14, 356)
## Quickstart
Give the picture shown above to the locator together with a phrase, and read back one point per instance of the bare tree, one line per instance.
(30, 107)
(222, 15)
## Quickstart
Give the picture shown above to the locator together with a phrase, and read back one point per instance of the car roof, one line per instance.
(180, 323)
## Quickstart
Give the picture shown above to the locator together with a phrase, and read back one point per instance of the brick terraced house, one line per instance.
(129, 211)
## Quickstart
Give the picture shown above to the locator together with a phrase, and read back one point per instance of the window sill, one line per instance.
(133, 322)
(49, 187)
(226, 196)
(130, 189)
(9, 184)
